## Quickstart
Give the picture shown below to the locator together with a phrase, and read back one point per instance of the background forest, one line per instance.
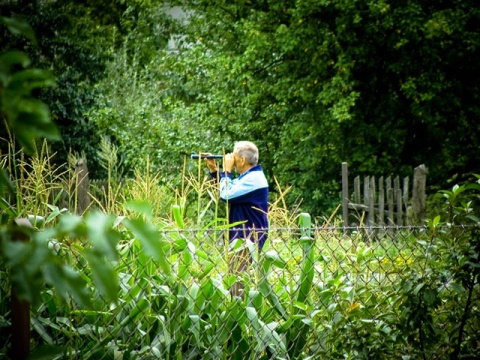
(384, 86)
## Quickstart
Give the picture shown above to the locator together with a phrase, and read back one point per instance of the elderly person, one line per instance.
(246, 195)
(247, 200)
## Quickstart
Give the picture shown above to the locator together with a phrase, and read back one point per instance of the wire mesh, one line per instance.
(339, 293)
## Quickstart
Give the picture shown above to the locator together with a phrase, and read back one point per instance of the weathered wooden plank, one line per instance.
(405, 197)
(418, 193)
(366, 189)
(371, 202)
(360, 207)
(390, 203)
(396, 186)
(399, 208)
(381, 202)
(356, 190)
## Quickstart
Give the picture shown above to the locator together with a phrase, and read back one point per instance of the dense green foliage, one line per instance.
(384, 86)
(74, 41)
(138, 286)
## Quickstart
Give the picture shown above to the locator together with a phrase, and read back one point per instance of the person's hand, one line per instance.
(211, 163)
(228, 162)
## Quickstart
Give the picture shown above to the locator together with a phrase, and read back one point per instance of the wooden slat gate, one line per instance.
(386, 202)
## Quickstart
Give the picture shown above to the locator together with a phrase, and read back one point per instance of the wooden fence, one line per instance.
(386, 202)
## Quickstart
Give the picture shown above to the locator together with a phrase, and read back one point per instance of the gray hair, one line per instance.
(247, 149)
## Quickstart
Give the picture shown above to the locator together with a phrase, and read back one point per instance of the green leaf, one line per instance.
(142, 207)
(16, 252)
(418, 288)
(149, 237)
(99, 230)
(307, 270)
(71, 225)
(104, 276)
(208, 268)
(431, 297)
(269, 293)
(46, 352)
(274, 258)
(21, 83)
(204, 295)
(10, 59)
(177, 214)
(457, 288)
(19, 26)
(265, 335)
(67, 281)
(186, 263)
(139, 310)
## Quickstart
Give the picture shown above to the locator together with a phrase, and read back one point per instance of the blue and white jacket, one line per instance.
(247, 199)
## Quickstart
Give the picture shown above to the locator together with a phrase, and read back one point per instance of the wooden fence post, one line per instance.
(20, 309)
(419, 207)
(345, 196)
(82, 186)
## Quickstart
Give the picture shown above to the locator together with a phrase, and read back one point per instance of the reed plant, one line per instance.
(147, 187)
(38, 183)
(107, 194)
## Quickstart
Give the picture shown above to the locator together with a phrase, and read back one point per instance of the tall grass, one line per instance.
(39, 184)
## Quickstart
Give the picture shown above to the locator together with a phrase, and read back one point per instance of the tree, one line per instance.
(381, 86)
(72, 40)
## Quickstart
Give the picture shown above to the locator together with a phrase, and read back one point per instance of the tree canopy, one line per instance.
(384, 86)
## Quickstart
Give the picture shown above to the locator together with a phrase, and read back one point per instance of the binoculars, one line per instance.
(197, 156)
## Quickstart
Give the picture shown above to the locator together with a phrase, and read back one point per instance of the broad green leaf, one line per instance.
(204, 295)
(19, 26)
(104, 276)
(71, 225)
(177, 214)
(142, 207)
(77, 286)
(101, 234)
(269, 293)
(186, 263)
(16, 252)
(139, 310)
(255, 299)
(151, 240)
(265, 335)
(10, 59)
(275, 259)
(23, 82)
(307, 270)
(206, 270)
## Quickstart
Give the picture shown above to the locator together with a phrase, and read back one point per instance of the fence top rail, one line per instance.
(330, 228)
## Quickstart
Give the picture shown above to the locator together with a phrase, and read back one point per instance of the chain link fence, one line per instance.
(311, 293)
